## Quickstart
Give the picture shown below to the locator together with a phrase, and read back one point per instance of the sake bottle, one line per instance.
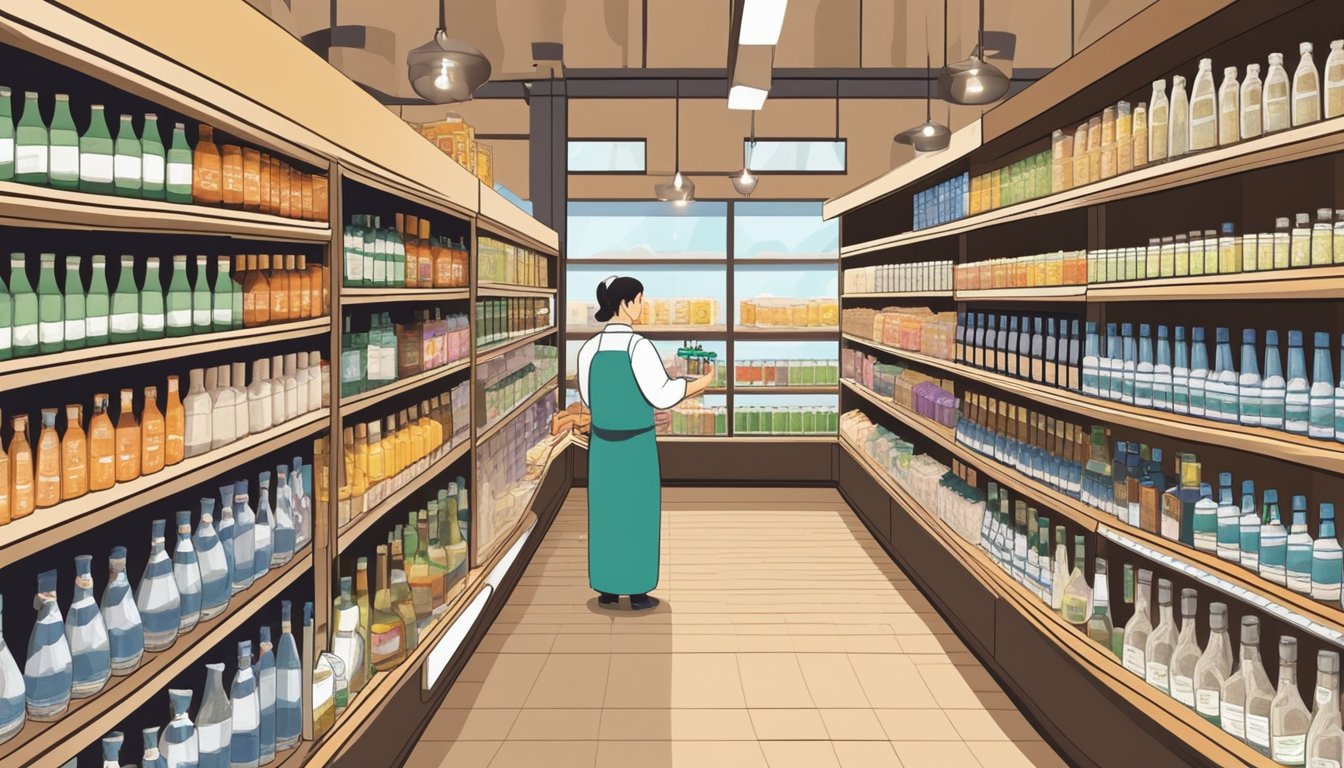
(214, 565)
(245, 743)
(1214, 667)
(1198, 377)
(48, 672)
(112, 750)
(1249, 543)
(74, 454)
(151, 758)
(1325, 739)
(1229, 520)
(63, 157)
(264, 670)
(1321, 396)
(282, 529)
(73, 309)
(1297, 389)
(1306, 89)
(152, 313)
(1288, 715)
(86, 634)
(201, 300)
(1275, 99)
(1178, 134)
(199, 410)
(301, 504)
(1299, 549)
(187, 574)
(127, 175)
(179, 308)
(1139, 627)
(6, 139)
(178, 740)
(263, 528)
(125, 306)
(221, 302)
(125, 632)
(1273, 542)
(242, 416)
(153, 172)
(1185, 657)
(1248, 382)
(1203, 109)
(1252, 94)
(225, 529)
(157, 598)
(12, 691)
(1229, 108)
(50, 322)
(1273, 386)
(1326, 559)
(177, 186)
(259, 397)
(25, 301)
(95, 155)
(288, 685)
(1334, 83)
(30, 145)
(214, 723)
(223, 406)
(244, 539)
(1159, 114)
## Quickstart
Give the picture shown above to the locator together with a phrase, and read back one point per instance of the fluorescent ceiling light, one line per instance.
(761, 22)
(746, 97)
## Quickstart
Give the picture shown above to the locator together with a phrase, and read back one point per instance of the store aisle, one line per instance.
(786, 637)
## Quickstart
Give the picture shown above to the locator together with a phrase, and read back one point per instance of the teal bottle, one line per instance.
(127, 175)
(30, 144)
(63, 152)
(1221, 402)
(1199, 373)
(96, 153)
(1321, 398)
(1297, 388)
(153, 166)
(1299, 549)
(1273, 385)
(25, 307)
(1180, 373)
(1162, 372)
(50, 312)
(1128, 363)
(1229, 520)
(1143, 372)
(1248, 382)
(1339, 392)
(1273, 542)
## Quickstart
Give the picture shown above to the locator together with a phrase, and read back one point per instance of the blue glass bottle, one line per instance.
(263, 528)
(1299, 549)
(187, 575)
(112, 749)
(1273, 542)
(1162, 372)
(288, 685)
(1112, 383)
(1221, 401)
(11, 690)
(264, 671)
(1249, 544)
(1248, 382)
(244, 539)
(1297, 388)
(1229, 520)
(86, 635)
(245, 747)
(178, 740)
(1273, 386)
(1092, 361)
(1326, 563)
(1129, 363)
(1199, 373)
(152, 757)
(1143, 371)
(214, 721)
(1339, 395)
(157, 598)
(47, 672)
(214, 565)
(125, 632)
(1321, 399)
(1180, 373)
(282, 532)
(300, 503)
(224, 528)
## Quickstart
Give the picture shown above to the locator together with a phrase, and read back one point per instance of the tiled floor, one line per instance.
(786, 637)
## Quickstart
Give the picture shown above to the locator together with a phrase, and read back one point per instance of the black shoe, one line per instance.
(604, 598)
(642, 602)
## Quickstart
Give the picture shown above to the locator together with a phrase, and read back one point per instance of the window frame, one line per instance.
(843, 142)
(643, 163)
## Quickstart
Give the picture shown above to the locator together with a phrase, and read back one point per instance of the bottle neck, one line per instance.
(1287, 673)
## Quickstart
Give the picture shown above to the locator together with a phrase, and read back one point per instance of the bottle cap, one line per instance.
(1248, 486)
(1205, 491)
(1091, 326)
(1145, 330)
(1281, 222)
(1272, 338)
(1294, 338)
(1157, 455)
(1322, 339)
(1302, 219)
(1110, 329)
(118, 553)
(1271, 496)
(1327, 662)
(1163, 591)
(1210, 233)
(1250, 630)
(1287, 649)
(1227, 227)
(244, 649)
(1304, 48)
(240, 488)
(1145, 576)
(158, 527)
(1126, 329)
(1324, 214)
(1222, 335)
(1161, 331)
(112, 747)
(285, 611)
(180, 700)
(1248, 336)
(1299, 504)
(1180, 333)
(264, 637)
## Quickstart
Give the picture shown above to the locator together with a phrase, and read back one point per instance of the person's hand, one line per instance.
(701, 384)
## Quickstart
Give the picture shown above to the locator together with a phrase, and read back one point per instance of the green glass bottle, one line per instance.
(126, 163)
(97, 305)
(6, 136)
(200, 297)
(125, 314)
(177, 182)
(95, 155)
(178, 315)
(236, 291)
(63, 156)
(30, 144)
(6, 323)
(221, 316)
(73, 312)
(152, 160)
(152, 317)
(370, 251)
(50, 324)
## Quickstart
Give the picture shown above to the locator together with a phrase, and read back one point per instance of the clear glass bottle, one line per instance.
(1213, 673)
(199, 412)
(12, 691)
(301, 505)
(86, 634)
(1289, 717)
(282, 530)
(244, 539)
(264, 671)
(48, 673)
(1229, 108)
(245, 743)
(1257, 691)
(222, 409)
(1185, 658)
(214, 721)
(1326, 564)
(1321, 396)
(242, 411)
(1276, 97)
(1325, 738)
(152, 758)
(213, 563)
(1161, 645)
(180, 746)
(1099, 625)
(259, 397)
(1306, 88)
(1159, 115)
(178, 179)
(1229, 520)
(30, 144)
(157, 598)
(187, 575)
(263, 528)
(1139, 627)
(121, 617)
(127, 173)
(1273, 385)
(288, 685)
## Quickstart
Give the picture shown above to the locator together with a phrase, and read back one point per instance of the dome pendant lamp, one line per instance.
(446, 70)
(973, 81)
(680, 190)
(929, 136)
(745, 182)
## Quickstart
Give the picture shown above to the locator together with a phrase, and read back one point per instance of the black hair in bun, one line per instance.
(612, 293)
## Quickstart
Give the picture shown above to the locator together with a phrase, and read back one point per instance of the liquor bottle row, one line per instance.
(211, 416)
(899, 278)
(1043, 349)
(53, 153)
(916, 329)
(510, 466)
(258, 717)
(1025, 179)
(388, 352)
(912, 390)
(501, 262)
(404, 257)
(943, 202)
(417, 570)
(75, 656)
(501, 319)
(383, 455)
(510, 379)
(783, 373)
(783, 420)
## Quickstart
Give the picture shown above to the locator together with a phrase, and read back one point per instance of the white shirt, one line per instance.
(661, 392)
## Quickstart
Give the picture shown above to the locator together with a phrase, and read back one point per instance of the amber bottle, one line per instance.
(306, 194)
(295, 194)
(251, 179)
(128, 439)
(263, 182)
(48, 479)
(409, 228)
(283, 172)
(257, 292)
(207, 171)
(443, 265)
(426, 256)
(280, 289)
(5, 510)
(74, 455)
(174, 425)
(153, 435)
(231, 184)
(310, 293)
(22, 500)
(102, 446)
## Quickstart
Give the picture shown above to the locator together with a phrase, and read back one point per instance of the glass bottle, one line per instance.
(96, 304)
(387, 631)
(74, 456)
(187, 575)
(121, 617)
(96, 153)
(225, 529)
(181, 749)
(264, 671)
(221, 303)
(1321, 396)
(1203, 109)
(1099, 626)
(244, 539)
(63, 157)
(1158, 122)
(102, 447)
(1248, 694)
(1289, 717)
(152, 160)
(262, 529)
(288, 685)
(6, 141)
(1306, 88)
(127, 173)
(283, 534)
(259, 399)
(1325, 739)
(1077, 598)
(153, 314)
(201, 315)
(1297, 395)
(212, 563)
(25, 303)
(242, 417)
(153, 434)
(1275, 98)
(125, 305)
(1139, 627)
(47, 482)
(1326, 559)
(50, 322)
(198, 411)
(86, 634)
(174, 425)
(214, 721)
(30, 144)
(179, 308)
(223, 402)
(73, 306)
(1161, 645)
(178, 180)
(1252, 93)
(21, 471)
(301, 505)
(1178, 133)
(152, 757)
(1185, 657)
(12, 691)
(207, 169)
(157, 598)
(279, 413)
(1229, 108)
(245, 742)
(1299, 549)
(231, 177)
(348, 642)
(112, 750)
(47, 672)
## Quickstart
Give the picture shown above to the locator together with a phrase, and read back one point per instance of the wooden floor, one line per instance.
(786, 637)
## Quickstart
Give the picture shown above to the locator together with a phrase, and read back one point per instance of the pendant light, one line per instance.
(680, 190)
(972, 81)
(745, 182)
(929, 136)
(446, 70)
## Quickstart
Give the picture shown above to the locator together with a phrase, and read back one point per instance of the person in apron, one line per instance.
(622, 380)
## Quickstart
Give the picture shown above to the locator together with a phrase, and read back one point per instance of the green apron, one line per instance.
(624, 484)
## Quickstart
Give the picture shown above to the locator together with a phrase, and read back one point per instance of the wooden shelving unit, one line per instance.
(1065, 293)
(898, 295)
(504, 347)
(507, 289)
(356, 403)
(490, 431)
(348, 533)
(353, 296)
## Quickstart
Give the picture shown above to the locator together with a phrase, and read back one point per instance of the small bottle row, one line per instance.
(510, 466)
(1018, 182)
(137, 164)
(404, 257)
(899, 278)
(912, 390)
(391, 351)
(783, 373)
(1043, 349)
(509, 380)
(784, 420)
(501, 319)
(916, 329)
(691, 417)
(498, 261)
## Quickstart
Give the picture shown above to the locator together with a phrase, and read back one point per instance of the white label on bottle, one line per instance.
(1322, 694)
(127, 167)
(152, 322)
(6, 150)
(1183, 690)
(1233, 718)
(51, 333)
(95, 168)
(222, 315)
(1157, 675)
(125, 322)
(200, 317)
(212, 738)
(1257, 730)
(74, 330)
(65, 161)
(25, 335)
(1322, 762)
(6, 337)
(95, 327)
(1289, 750)
(179, 174)
(152, 168)
(30, 158)
(1134, 660)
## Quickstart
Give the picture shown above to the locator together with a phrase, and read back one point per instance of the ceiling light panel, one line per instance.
(762, 21)
(746, 97)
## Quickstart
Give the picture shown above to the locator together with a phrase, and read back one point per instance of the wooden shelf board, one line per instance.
(1043, 293)
(962, 142)
(508, 289)
(582, 441)
(355, 528)
(504, 347)
(827, 389)
(87, 719)
(351, 296)
(26, 371)
(535, 397)
(645, 261)
(30, 535)
(654, 331)
(356, 403)
(1100, 662)
(1304, 141)
(1308, 283)
(899, 295)
(751, 331)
